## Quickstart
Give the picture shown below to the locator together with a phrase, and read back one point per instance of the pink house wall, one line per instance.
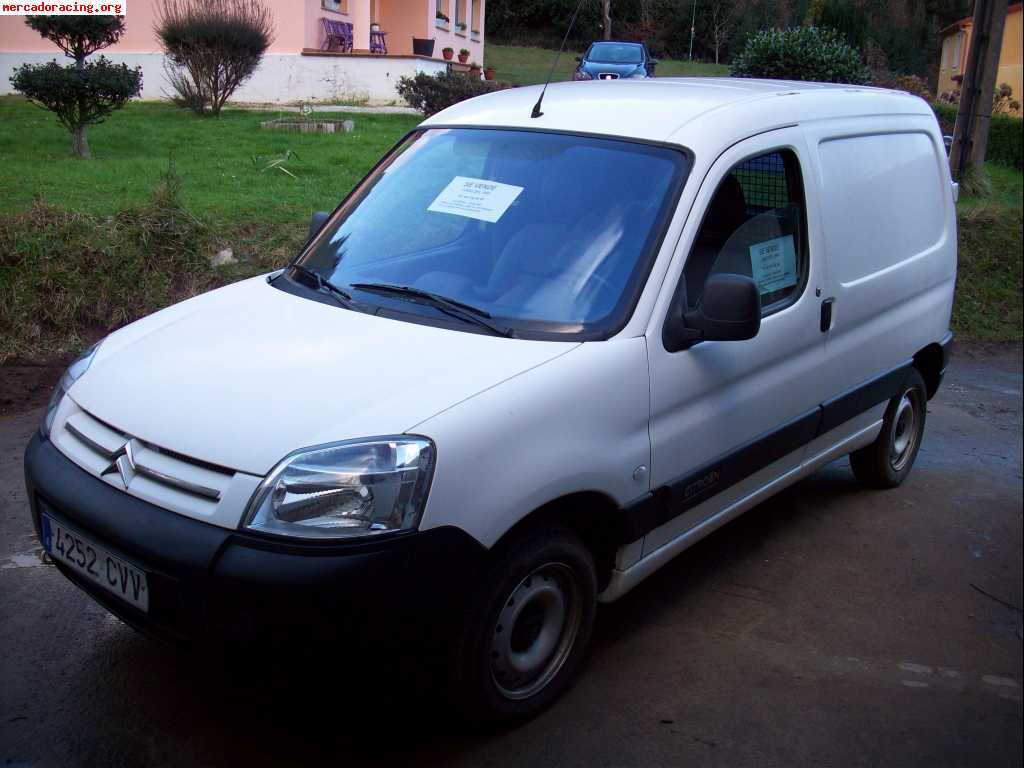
(296, 26)
(290, 29)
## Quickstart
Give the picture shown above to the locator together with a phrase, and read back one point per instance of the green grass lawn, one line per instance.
(527, 66)
(989, 304)
(214, 157)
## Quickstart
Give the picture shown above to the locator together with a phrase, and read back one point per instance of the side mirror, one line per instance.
(317, 221)
(730, 310)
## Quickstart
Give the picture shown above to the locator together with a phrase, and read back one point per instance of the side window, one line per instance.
(755, 226)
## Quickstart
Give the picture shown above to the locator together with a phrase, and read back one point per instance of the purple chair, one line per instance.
(378, 43)
(337, 33)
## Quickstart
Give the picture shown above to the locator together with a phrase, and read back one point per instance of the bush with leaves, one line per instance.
(803, 53)
(75, 275)
(909, 83)
(432, 93)
(213, 46)
(1005, 138)
(83, 93)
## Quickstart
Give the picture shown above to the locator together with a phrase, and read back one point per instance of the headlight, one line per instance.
(74, 372)
(579, 74)
(345, 490)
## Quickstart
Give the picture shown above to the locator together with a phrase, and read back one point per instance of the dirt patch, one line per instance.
(24, 386)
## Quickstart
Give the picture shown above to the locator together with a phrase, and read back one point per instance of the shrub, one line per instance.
(1003, 101)
(1006, 142)
(909, 83)
(432, 93)
(1005, 137)
(803, 53)
(74, 275)
(81, 94)
(213, 46)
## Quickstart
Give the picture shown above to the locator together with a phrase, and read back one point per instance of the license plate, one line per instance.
(95, 563)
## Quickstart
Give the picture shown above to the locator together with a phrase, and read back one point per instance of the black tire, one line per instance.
(887, 461)
(501, 674)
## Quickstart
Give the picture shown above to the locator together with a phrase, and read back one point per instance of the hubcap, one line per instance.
(904, 438)
(535, 631)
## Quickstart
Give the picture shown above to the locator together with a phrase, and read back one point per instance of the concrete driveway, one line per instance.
(831, 626)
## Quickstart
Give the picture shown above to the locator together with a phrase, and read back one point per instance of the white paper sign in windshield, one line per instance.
(773, 264)
(475, 198)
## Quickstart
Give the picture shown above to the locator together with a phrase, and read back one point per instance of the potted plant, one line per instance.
(448, 52)
(463, 55)
(442, 17)
(489, 73)
(474, 71)
(375, 27)
(460, 26)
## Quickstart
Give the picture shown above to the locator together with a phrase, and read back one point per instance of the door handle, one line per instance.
(826, 314)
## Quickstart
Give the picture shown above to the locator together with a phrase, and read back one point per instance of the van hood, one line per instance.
(244, 375)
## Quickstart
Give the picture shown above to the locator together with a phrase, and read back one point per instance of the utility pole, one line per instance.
(693, 26)
(974, 114)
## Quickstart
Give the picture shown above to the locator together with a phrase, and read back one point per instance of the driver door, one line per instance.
(729, 416)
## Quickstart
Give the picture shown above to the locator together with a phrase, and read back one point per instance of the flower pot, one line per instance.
(489, 73)
(463, 58)
(474, 72)
(448, 53)
(375, 27)
(423, 46)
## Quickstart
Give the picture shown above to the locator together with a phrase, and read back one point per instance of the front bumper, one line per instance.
(211, 585)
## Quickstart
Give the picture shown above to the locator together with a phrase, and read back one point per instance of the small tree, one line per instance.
(803, 53)
(81, 94)
(719, 18)
(213, 46)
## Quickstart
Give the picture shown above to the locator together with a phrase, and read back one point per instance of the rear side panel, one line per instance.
(889, 228)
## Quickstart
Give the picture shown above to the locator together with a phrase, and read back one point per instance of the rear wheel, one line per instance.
(528, 629)
(887, 461)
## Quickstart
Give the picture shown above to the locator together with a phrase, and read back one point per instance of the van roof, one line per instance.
(683, 110)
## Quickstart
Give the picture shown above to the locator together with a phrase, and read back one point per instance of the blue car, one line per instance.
(614, 60)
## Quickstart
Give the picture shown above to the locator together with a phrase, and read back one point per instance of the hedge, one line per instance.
(1005, 136)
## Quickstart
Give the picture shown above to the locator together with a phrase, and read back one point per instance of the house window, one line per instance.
(475, 14)
(336, 6)
(460, 15)
(441, 11)
(955, 63)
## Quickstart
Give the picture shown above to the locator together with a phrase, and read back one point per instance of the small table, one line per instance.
(378, 44)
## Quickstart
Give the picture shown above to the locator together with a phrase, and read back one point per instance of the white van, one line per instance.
(526, 362)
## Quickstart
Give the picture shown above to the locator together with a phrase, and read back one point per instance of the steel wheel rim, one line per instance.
(535, 631)
(905, 431)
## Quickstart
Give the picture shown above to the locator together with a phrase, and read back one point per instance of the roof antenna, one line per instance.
(536, 107)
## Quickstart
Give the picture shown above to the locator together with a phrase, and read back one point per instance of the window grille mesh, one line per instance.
(763, 180)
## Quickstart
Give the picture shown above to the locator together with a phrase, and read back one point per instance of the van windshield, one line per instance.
(548, 233)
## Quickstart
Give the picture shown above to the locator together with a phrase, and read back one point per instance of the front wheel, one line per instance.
(887, 461)
(528, 629)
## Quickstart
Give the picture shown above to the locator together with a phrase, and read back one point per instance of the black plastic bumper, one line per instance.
(947, 352)
(211, 585)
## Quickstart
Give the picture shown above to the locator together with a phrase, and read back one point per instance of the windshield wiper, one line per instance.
(326, 286)
(451, 307)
